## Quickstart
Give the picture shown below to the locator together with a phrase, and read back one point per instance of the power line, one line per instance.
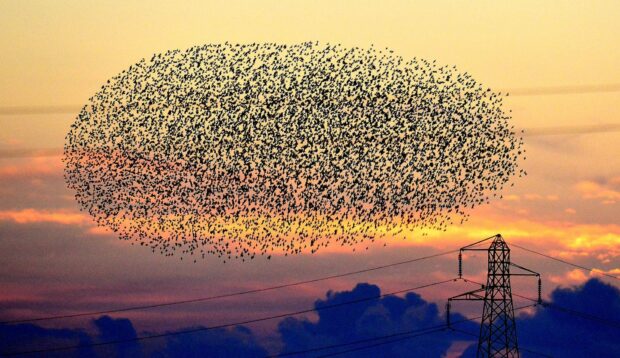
(588, 316)
(202, 299)
(225, 325)
(547, 304)
(433, 329)
(585, 268)
(315, 349)
(380, 343)
(409, 334)
(554, 306)
(520, 347)
(350, 343)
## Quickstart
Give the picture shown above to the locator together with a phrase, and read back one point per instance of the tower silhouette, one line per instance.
(498, 330)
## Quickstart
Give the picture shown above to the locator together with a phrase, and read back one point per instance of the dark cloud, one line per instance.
(550, 331)
(14, 338)
(236, 342)
(566, 334)
(560, 332)
(369, 319)
(344, 324)
(111, 329)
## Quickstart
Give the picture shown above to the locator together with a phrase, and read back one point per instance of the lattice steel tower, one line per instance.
(498, 331)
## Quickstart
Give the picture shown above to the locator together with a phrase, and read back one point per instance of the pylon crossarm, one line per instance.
(469, 247)
(528, 271)
(469, 296)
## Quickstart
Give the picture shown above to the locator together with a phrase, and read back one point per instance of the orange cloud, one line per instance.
(31, 167)
(530, 197)
(613, 272)
(562, 238)
(578, 276)
(27, 216)
(538, 197)
(573, 277)
(607, 192)
(99, 230)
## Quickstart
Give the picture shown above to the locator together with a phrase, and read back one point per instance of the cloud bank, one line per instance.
(551, 331)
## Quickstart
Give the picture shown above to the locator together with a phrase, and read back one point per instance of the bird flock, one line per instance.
(245, 150)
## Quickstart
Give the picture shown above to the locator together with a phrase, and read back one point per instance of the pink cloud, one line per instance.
(574, 277)
(613, 272)
(27, 216)
(607, 192)
(31, 167)
(578, 276)
(570, 211)
(99, 230)
(562, 238)
(531, 197)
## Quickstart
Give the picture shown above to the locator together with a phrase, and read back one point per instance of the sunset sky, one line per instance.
(57, 54)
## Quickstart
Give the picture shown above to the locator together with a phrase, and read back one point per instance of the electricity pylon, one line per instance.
(498, 330)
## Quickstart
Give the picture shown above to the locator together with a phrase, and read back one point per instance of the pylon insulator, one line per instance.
(539, 290)
(460, 264)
